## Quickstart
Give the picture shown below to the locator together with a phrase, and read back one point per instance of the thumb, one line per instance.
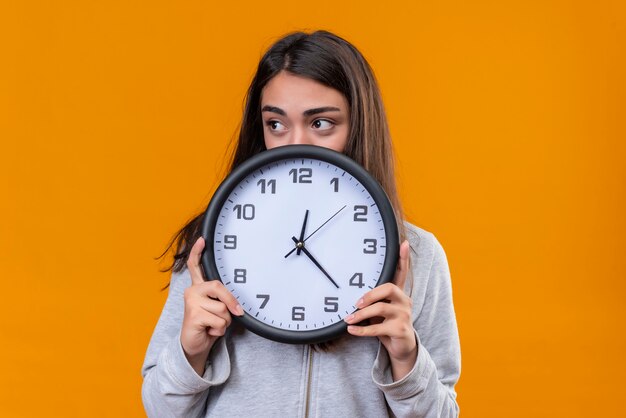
(193, 262)
(403, 265)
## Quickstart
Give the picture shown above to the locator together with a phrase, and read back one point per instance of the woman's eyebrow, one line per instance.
(317, 110)
(273, 109)
(308, 112)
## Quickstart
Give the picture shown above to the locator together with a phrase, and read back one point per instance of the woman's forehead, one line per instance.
(294, 93)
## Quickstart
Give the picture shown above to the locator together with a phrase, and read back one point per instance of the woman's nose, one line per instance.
(299, 136)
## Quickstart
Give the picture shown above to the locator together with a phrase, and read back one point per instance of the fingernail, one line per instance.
(352, 329)
(239, 310)
(359, 303)
(349, 318)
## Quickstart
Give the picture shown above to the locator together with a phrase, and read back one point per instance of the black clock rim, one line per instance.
(298, 152)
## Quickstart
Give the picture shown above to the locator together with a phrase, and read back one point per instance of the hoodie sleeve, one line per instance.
(171, 387)
(427, 391)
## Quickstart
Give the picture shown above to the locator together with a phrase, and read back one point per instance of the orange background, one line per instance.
(508, 119)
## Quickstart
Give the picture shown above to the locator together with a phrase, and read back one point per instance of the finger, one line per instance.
(377, 310)
(216, 290)
(216, 332)
(213, 324)
(218, 326)
(388, 292)
(377, 330)
(193, 261)
(403, 266)
(215, 307)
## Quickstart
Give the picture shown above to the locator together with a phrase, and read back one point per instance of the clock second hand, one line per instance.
(300, 245)
(311, 234)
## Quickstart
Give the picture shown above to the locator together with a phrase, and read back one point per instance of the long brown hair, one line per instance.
(334, 62)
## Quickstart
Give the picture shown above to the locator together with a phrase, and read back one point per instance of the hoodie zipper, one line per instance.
(308, 382)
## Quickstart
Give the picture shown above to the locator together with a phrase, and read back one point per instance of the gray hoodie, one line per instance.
(249, 376)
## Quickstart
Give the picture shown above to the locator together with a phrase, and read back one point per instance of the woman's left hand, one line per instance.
(388, 309)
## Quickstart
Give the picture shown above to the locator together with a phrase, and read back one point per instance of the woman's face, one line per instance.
(298, 110)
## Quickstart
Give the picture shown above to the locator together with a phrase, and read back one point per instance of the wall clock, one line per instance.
(298, 234)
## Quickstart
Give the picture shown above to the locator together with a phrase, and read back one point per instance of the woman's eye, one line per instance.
(322, 124)
(275, 125)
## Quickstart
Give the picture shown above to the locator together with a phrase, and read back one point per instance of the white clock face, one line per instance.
(291, 280)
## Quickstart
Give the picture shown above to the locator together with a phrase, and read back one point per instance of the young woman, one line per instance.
(311, 89)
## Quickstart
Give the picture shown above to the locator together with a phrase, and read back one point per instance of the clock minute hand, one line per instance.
(300, 245)
(318, 228)
(328, 220)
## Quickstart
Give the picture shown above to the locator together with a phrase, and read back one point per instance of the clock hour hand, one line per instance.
(318, 228)
(300, 245)
(306, 216)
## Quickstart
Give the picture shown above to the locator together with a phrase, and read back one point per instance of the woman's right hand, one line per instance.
(208, 308)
